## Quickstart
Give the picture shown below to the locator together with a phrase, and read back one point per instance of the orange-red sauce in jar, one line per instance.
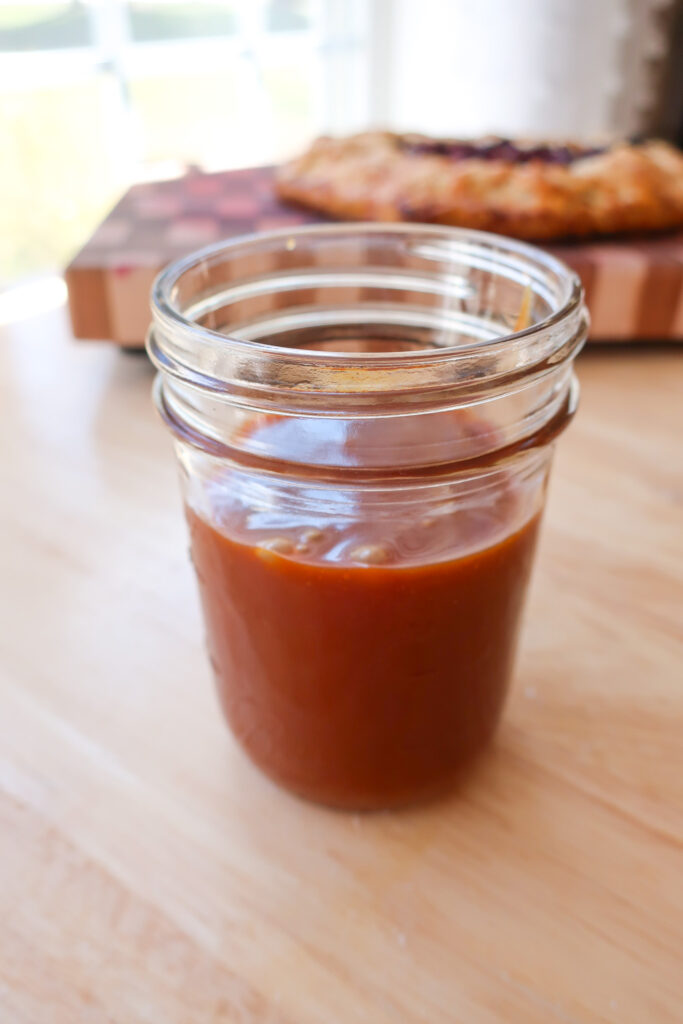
(362, 661)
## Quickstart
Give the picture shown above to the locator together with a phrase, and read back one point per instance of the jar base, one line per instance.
(368, 802)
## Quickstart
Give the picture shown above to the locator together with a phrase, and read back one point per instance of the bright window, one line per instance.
(95, 94)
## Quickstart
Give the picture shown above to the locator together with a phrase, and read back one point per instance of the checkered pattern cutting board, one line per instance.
(634, 287)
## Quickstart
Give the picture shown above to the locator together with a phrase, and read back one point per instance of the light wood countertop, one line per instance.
(150, 875)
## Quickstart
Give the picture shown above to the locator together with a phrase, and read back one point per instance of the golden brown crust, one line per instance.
(376, 176)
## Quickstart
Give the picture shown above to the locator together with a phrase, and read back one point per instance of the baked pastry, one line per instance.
(525, 189)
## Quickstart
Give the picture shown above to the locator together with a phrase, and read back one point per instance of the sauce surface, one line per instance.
(362, 656)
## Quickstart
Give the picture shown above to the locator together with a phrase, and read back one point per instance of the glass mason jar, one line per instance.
(364, 417)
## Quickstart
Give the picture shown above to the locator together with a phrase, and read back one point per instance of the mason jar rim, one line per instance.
(168, 317)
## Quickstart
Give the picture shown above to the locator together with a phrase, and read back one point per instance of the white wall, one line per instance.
(517, 67)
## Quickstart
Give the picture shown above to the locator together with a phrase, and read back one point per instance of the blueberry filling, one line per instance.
(499, 149)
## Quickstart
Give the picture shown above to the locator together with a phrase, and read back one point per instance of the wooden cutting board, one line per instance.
(634, 288)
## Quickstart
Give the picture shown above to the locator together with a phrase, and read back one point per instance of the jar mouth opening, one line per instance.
(362, 320)
(528, 266)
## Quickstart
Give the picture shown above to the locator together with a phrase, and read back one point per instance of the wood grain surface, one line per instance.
(150, 875)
